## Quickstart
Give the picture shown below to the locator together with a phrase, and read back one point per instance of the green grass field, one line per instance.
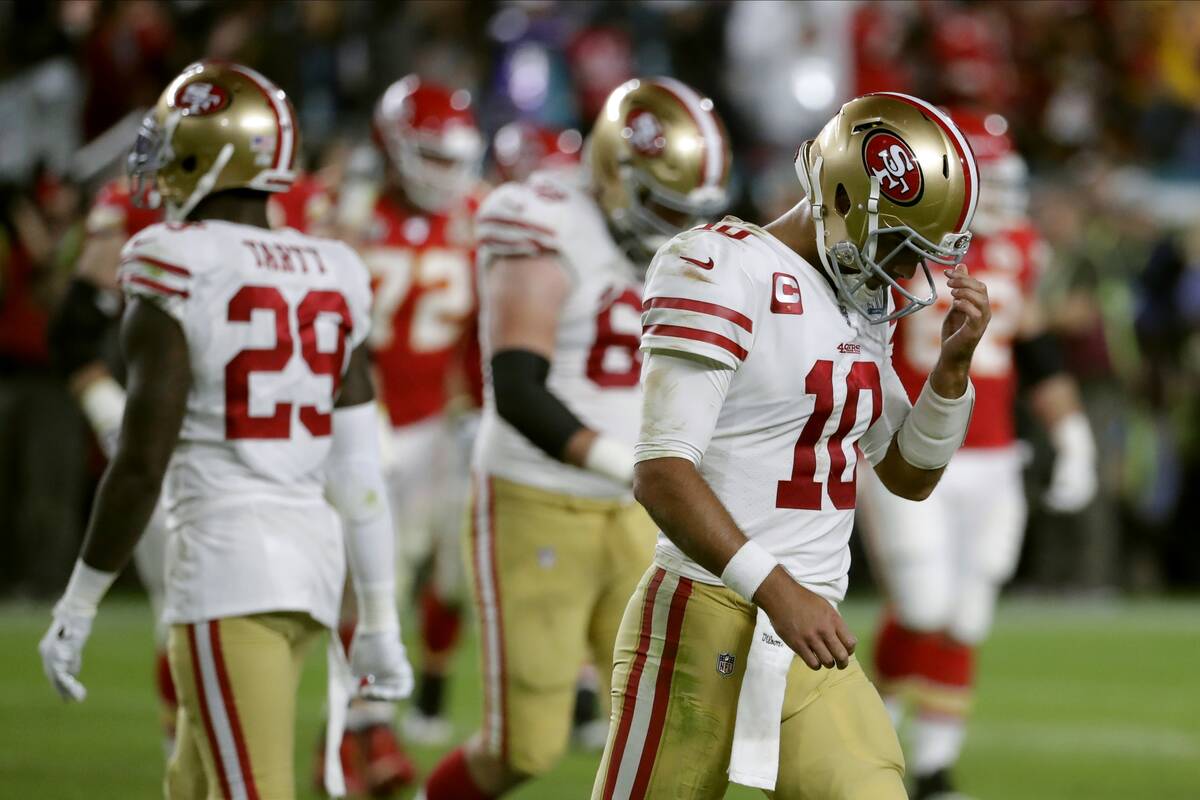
(1090, 702)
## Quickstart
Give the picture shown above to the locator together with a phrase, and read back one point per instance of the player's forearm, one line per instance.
(1054, 399)
(124, 504)
(684, 506)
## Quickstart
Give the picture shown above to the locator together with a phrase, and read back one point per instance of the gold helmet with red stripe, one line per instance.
(888, 173)
(659, 159)
(217, 126)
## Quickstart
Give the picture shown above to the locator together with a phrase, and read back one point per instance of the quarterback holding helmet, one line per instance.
(249, 392)
(768, 376)
(944, 560)
(557, 541)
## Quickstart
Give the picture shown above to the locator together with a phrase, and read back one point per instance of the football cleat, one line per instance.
(388, 767)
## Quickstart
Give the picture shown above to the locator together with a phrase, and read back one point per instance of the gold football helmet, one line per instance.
(216, 126)
(659, 159)
(890, 170)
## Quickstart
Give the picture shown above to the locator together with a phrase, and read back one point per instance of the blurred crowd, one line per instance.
(1103, 99)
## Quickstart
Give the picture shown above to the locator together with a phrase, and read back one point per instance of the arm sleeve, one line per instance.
(682, 398)
(153, 268)
(523, 401)
(699, 302)
(896, 407)
(354, 485)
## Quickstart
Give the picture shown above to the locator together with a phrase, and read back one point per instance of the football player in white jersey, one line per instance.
(768, 376)
(249, 396)
(557, 542)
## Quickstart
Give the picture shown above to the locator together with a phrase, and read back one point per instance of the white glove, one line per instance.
(380, 665)
(62, 651)
(1073, 480)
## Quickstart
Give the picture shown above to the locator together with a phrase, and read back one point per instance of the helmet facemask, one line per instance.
(644, 229)
(436, 176)
(153, 151)
(853, 270)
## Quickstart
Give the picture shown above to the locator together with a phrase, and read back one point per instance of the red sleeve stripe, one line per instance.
(155, 285)
(515, 244)
(684, 304)
(682, 332)
(157, 262)
(516, 223)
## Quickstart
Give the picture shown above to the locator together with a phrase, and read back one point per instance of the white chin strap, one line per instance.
(203, 186)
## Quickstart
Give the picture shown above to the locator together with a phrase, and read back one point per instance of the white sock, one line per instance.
(936, 743)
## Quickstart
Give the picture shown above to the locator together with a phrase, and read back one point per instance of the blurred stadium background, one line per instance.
(1090, 684)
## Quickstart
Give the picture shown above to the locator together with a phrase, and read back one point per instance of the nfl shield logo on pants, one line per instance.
(725, 663)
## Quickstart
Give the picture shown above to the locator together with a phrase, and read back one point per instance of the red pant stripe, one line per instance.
(629, 699)
(235, 725)
(662, 688)
(201, 696)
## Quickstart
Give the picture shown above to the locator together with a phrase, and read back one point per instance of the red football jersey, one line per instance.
(1009, 263)
(306, 207)
(113, 211)
(421, 269)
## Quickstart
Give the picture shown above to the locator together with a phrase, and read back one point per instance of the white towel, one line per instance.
(339, 689)
(754, 760)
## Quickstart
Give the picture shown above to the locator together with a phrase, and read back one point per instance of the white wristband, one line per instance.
(611, 458)
(935, 428)
(103, 404)
(377, 607)
(86, 589)
(1073, 435)
(748, 568)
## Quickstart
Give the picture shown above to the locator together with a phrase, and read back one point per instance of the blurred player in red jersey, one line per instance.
(942, 561)
(413, 230)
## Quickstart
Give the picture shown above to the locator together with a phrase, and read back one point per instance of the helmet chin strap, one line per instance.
(203, 186)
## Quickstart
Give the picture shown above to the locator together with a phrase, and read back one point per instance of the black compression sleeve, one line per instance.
(523, 401)
(1037, 358)
(78, 329)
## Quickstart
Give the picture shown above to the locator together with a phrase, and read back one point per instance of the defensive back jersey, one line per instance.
(812, 390)
(421, 268)
(596, 363)
(270, 320)
(1009, 262)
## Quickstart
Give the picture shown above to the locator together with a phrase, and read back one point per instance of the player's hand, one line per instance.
(967, 319)
(806, 621)
(62, 651)
(380, 665)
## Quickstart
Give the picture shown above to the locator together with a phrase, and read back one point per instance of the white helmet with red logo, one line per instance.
(521, 148)
(1003, 175)
(429, 135)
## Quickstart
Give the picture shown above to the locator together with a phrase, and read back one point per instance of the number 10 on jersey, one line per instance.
(803, 490)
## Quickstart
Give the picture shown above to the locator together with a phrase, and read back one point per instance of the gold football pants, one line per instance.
(236, 680)
(551, 576)
(678, 667)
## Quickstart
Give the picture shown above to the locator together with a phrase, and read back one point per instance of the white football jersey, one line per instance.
(270, 318)
(812, 390)
(596, 363)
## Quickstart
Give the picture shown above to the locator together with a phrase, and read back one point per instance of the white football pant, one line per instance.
(942, 561)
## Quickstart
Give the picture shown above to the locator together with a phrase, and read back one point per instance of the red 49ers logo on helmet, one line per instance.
(200, 98)
(644, 132)
(889, 158)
